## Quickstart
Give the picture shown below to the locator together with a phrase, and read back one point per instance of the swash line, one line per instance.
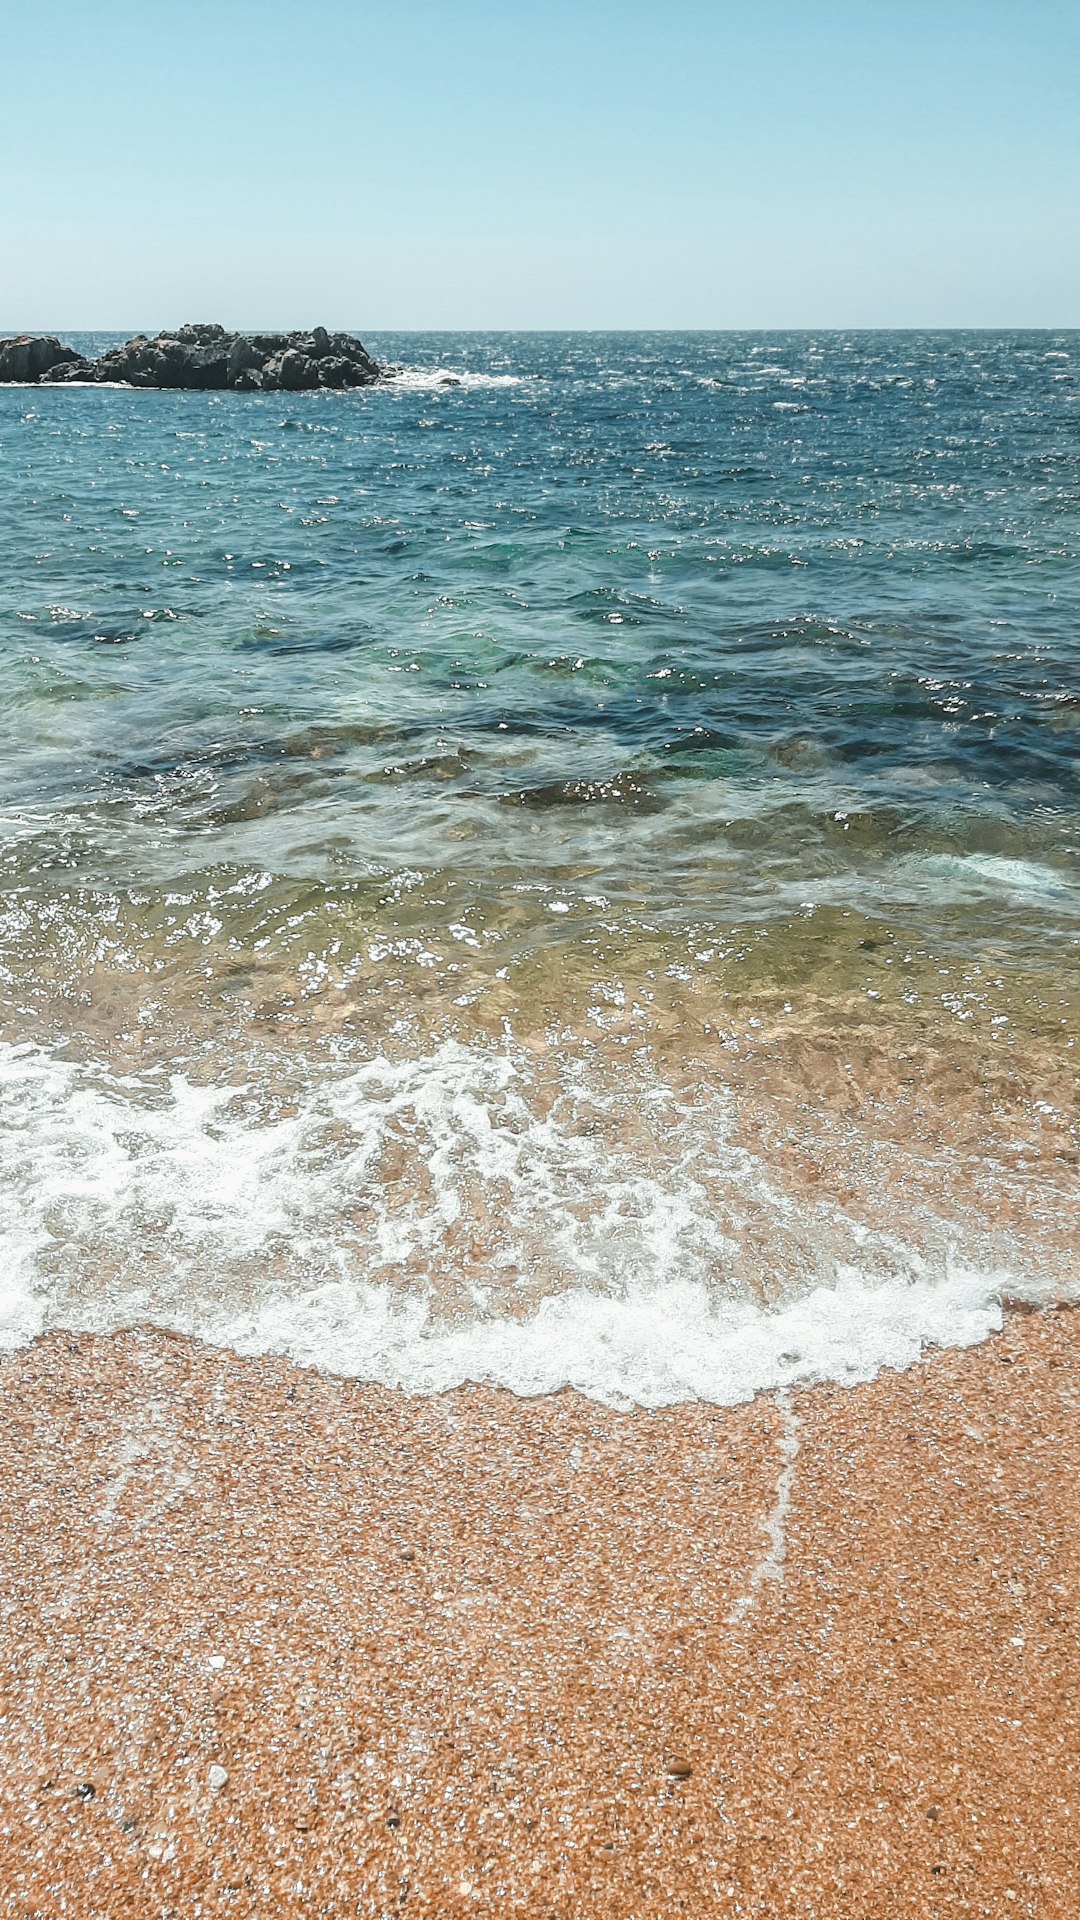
(771, 1564)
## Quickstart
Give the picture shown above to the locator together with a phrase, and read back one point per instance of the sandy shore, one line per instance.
(277, 1644)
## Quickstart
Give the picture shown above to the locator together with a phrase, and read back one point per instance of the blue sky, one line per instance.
(778, 163)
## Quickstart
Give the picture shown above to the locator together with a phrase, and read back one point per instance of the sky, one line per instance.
(780, 163)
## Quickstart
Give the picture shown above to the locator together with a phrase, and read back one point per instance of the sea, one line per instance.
(556, 870)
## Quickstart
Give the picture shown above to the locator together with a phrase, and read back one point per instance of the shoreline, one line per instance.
(641, 1203)
(467, 1653)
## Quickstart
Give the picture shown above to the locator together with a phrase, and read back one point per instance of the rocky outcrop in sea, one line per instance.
(29, 358)
(203, 357)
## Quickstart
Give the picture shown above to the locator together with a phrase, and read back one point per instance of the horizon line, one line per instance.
(982, 326)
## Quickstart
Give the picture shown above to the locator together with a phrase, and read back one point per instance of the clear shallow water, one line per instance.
(549, 703)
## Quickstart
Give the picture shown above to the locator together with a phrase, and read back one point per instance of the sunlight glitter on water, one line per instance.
(562, 868)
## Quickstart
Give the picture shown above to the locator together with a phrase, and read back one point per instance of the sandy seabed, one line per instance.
(278, 1643)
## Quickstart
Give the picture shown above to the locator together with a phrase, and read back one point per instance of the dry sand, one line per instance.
(278, 1644)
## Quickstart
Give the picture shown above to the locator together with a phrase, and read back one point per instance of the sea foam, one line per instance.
(433, 379)
(427, 1222)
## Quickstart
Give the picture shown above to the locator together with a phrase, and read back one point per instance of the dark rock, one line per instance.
(243, 356)
(203, 357)
(201, 367)
(296, 372)
(337, 372)
(65, 371)
(344, 345)
(27, 357)
(209, 335)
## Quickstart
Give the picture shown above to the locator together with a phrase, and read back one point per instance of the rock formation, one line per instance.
(30, 358)
(204, 357)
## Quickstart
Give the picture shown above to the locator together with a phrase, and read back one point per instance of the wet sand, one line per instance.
(275, 1643)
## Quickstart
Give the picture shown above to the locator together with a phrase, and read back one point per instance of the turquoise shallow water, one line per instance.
(623, 659)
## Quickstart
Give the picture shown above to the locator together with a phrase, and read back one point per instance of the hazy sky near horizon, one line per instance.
(784, 163)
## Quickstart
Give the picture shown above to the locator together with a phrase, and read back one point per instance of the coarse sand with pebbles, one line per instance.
(276, 1643)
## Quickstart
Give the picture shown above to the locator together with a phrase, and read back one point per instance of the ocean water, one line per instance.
(558, 869)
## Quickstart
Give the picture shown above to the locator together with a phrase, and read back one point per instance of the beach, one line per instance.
(470, 1654)
(538, 1110)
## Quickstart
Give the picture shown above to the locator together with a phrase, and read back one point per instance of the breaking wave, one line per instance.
(437, 1220)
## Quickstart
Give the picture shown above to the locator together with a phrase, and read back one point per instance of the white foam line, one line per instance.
(439, 379)
(331, 1232)
(653, 1346)
(771, 1564)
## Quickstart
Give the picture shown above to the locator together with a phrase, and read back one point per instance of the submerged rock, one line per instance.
(201, 357)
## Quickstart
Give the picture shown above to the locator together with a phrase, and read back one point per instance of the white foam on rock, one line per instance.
(335, 1227)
